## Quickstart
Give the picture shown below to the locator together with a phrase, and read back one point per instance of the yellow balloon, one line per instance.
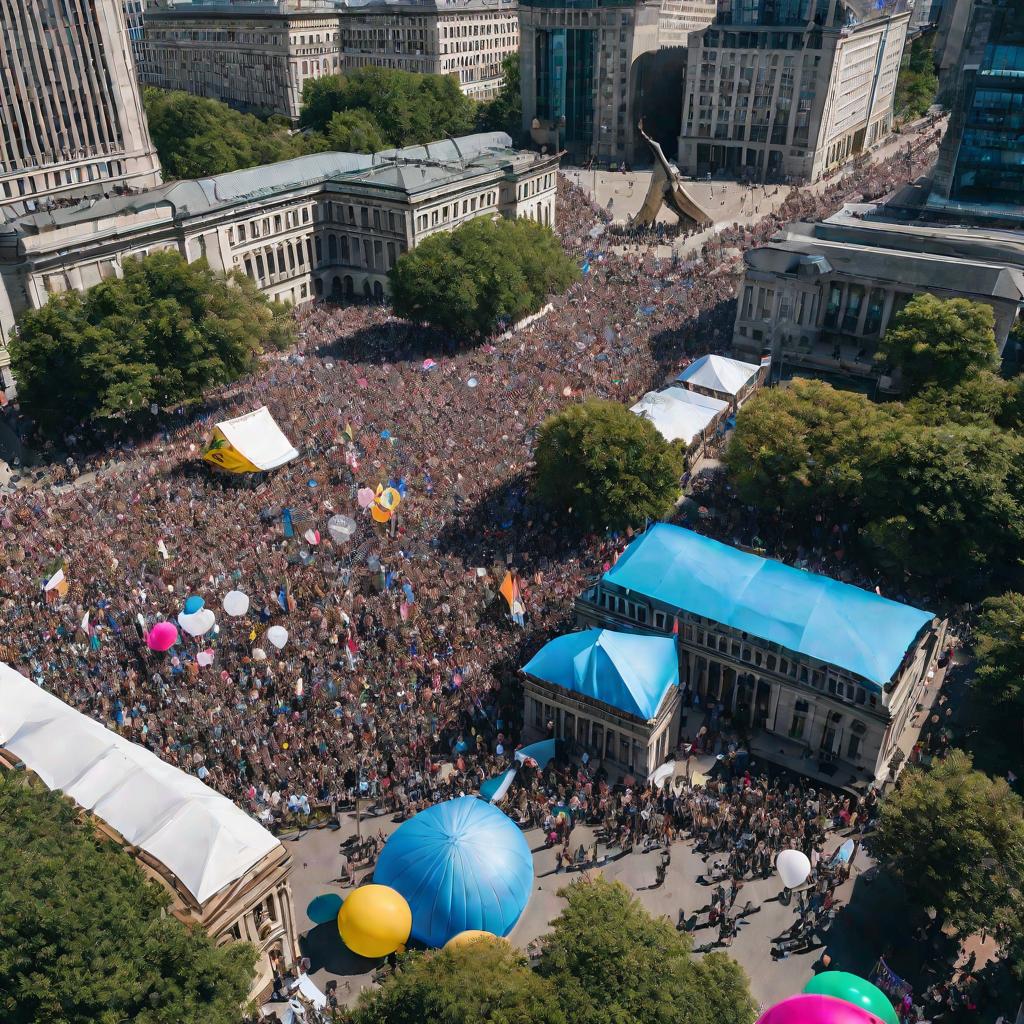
(469, 936)
(374, 921)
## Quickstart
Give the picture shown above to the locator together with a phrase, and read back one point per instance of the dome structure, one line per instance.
(461, 865)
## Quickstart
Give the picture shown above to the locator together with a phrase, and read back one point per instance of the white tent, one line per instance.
(720, 374)
(197, 834)
(256, 438)
(679, 415)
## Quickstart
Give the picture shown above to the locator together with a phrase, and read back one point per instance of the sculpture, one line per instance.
(666, 189)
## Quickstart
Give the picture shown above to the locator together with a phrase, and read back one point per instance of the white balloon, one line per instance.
(258, 654)
(197, 623)
(236, 603)
(793, 867)
(278, 636)
(341, 528)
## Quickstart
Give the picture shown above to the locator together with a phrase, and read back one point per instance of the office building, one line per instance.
(950, 34)
(324, 225)
(580, 76)
(465, 38)
(783, 653)
(789, 91)
(134, 11)
(255, 57)
(818, 297)
(224, 872)
(980, 170)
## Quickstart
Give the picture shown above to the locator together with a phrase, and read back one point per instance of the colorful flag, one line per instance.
(286, 522)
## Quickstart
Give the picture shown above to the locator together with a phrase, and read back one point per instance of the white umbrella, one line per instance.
(198, 623)
(278, 636)
(236, 603)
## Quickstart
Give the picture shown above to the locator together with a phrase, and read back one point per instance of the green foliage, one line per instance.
(942, 497)
(195, 137)
(956, 840)
(612, 963)
(354, 131)
(407, 108)
(162, 333)
(82, 936)
(607, 467)
(940, 341)
(482, 983)
(466, 280)
(917, 83)
(999, 646)
(505, 112)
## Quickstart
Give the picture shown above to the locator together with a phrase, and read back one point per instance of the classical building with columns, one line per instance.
(324, 225)
(820, 672)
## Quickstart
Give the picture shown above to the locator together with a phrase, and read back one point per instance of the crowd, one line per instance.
(397, 680)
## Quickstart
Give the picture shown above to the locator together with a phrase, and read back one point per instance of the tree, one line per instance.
(483, 982)
(408, 108)
(940, 341)
(610, 962)
(917, 83)
(196, 137)
(485, 271)
(84, 938)
(162, 333)
(354, 131)
(999, 647)
(505, 112)
(606, 466)
(956, 839)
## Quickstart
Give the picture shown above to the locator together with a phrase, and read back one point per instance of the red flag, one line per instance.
(675, 625)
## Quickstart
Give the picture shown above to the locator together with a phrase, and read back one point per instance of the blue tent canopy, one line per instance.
(813, 615)
(460, 865)
(630, 672)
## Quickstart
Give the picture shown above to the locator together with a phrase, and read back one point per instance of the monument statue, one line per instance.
(666, 189)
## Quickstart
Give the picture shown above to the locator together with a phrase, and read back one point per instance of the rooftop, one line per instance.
(719, 373)
(813, 615)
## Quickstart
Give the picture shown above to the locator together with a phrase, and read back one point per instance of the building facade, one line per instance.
(133, 16)
(465, 38)
(779, 651)
(70, 109)
(819, 297)
(579, 70)
(255, 57)
(788, 91)
(324, 225)
(980, 170)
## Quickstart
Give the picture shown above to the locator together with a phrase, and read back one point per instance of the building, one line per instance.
(465, 38)
(224, 871)
(980, 170)
(789, 91)
(133, 16)
(950, 35)
(580, 81)
(327, 224)
(254, 56)
(615, 695)
(819, 671)
(819, 296)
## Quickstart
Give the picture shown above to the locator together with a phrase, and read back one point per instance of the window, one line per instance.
(799, 722)
(659, 620)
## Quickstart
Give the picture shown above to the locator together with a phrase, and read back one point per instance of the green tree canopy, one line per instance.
(354, 131)
(606, 467)
(482, 983)
(940, 341)
(505, 112)
(162, 333)
(610, 962)
(956, 840)
(999, 646)
(195, 137)
(917, 83)
(467, 280)
(83, 937)
(408, 108)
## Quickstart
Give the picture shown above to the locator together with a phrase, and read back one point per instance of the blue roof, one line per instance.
(628, 671)
(812, 615)
(461, 865)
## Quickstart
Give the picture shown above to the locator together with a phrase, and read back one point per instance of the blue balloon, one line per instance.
(324, 908)
(193, 604)
(461, 865)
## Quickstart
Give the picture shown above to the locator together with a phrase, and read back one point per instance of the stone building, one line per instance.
(789, 91)
(223, 870)
(465, 38)
(825, 675)
(819, 296)
(580, 73)
(328, 224)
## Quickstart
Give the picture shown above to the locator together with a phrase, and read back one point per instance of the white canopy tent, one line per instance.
(679, 415)
(198, 835)
(257, 439)
(719, 374)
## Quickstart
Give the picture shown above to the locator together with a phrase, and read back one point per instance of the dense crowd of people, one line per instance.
(398, 676)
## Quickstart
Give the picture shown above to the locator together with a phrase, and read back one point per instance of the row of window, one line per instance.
(434, 218)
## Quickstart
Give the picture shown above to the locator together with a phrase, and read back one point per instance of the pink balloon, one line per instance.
(815, 1009)
(162, 637)
(365, 497)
